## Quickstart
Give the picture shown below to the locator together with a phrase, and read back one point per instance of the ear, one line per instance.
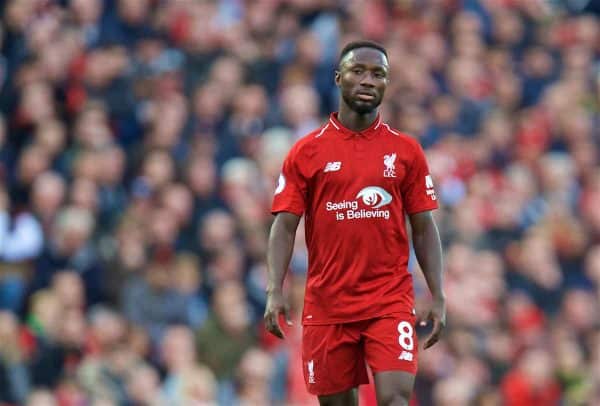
(338, 77)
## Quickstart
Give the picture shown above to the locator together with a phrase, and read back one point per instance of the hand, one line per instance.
(276, 305)
(437, 314)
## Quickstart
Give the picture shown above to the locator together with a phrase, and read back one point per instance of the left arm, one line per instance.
(428, 249)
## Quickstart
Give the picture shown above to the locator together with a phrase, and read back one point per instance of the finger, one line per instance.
(268, 320)
(273, 325)
(434, 336)
(431, 340)
(276, 331)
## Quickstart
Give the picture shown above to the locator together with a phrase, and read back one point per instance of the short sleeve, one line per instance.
(290, 194)
(418, 192)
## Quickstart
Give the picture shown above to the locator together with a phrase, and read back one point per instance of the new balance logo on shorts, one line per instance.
(406, 356)
(332, 166)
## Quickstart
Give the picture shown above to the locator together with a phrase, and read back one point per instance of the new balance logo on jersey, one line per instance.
(429, 186)
(333, 166)
(406, 356)
(311, 371)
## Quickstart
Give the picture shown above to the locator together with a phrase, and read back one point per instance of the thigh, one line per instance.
(333, 359)
(347, 398)
(394, 387)
(391, 343)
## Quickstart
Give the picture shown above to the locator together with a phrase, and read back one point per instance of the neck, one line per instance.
(355, 121)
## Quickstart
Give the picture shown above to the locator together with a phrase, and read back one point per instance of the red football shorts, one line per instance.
(334, 356)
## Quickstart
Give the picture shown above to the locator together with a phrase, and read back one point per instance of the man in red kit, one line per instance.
(354, 179)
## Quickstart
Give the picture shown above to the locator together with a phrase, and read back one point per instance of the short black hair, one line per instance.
(362, 44)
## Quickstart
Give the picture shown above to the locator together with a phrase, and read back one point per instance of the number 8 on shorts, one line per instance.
(405, 339)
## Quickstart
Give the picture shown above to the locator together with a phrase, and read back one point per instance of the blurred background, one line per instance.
(140, 142)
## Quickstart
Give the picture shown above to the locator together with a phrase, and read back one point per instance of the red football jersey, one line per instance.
(354, 190)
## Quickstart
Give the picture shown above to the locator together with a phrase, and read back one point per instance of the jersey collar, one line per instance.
(368, 133)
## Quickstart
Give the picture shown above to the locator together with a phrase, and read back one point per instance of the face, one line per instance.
(178, 349)
(69, 289)
(48, 194)
(230, 306)
(362, 78)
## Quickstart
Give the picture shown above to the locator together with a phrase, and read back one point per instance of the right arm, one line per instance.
(279, 254)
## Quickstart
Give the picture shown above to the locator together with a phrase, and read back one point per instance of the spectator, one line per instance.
(128, 259)
(47, 196)
(112, 197)
(51, 136)
(13, 369)
(158, 169)
(185, 379)
(199, 385)
(72, 340)
(216, 230)
(106, 329)
(106, 377)
(71, 248)
(188, 282)
(21, 240)
(86, 15)
(153, 302)
(143, 386)
(178, 199)
(300, 108)
(227, 333)
(253, 377)
(531, 380)
(68, 287)
(42, 337)
(201, 177)
(226, 265)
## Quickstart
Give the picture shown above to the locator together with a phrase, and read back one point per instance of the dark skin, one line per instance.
(362, 78)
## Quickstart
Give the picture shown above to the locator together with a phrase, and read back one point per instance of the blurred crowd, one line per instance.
(140, 142)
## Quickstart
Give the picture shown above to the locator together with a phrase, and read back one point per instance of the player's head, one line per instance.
(362, 75)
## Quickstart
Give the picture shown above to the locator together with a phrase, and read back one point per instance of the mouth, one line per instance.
(365, 96)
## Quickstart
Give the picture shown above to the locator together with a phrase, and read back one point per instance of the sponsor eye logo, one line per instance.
(374, 196)
(280, 184)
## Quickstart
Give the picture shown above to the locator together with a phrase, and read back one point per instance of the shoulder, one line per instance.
(401, 139)
(308, 144)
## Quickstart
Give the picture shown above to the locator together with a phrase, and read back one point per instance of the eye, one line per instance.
(380, 75)
(357, 71)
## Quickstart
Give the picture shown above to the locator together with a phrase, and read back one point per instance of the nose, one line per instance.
(367, 80)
